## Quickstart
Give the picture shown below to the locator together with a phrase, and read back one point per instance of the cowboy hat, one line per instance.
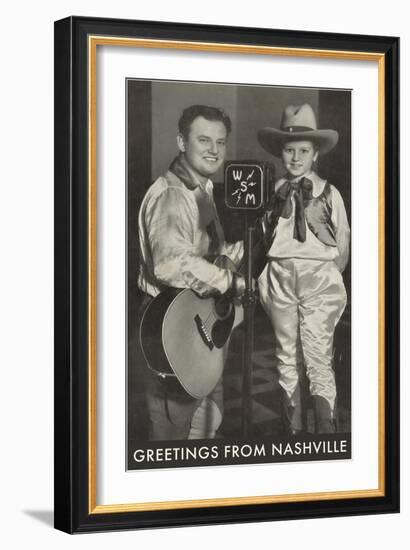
(298, 123)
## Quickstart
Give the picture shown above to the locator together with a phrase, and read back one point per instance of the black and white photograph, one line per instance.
(238, 283)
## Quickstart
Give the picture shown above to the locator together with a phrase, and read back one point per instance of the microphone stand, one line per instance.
(248, 302)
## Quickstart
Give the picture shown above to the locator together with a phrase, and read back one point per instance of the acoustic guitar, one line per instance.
(187, 337)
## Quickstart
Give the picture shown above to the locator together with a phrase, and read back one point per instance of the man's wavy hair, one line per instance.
(209, 113)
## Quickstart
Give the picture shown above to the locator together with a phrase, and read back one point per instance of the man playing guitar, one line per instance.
(178, 226)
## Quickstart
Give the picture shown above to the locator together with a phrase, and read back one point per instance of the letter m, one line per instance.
(250, 197)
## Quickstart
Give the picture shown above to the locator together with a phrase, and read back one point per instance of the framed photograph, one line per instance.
(226, 274)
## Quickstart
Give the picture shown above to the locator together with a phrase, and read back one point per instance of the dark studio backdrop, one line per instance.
(154, 108)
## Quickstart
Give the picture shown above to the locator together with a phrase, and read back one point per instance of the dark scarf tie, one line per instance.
(302, 191)
(179, 168)
(205, 205)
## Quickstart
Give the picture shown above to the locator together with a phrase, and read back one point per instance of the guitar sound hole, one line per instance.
(223, 308)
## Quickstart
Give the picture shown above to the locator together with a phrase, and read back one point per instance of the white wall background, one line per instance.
(26, 274)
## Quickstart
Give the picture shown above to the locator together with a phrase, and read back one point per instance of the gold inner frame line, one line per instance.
(93, 42)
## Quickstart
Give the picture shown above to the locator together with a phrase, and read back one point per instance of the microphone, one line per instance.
(248, 185)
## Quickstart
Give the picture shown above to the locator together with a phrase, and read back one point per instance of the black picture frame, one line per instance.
(74, 507)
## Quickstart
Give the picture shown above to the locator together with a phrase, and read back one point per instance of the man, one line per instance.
(178, 226)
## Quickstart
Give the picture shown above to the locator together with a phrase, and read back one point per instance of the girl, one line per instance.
(301, 288)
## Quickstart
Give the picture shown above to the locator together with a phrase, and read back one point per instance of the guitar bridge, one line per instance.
(203, 332)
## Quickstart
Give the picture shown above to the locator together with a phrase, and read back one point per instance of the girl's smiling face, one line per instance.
(298, 157)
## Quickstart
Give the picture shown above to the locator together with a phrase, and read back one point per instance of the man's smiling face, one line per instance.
(205, 147)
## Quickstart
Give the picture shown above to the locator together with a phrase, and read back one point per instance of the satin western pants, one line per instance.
(304, 300)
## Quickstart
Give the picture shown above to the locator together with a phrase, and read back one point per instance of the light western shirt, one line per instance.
(174, 239)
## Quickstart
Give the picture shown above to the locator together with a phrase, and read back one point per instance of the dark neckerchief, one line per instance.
(302, 191)
(180, 170)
